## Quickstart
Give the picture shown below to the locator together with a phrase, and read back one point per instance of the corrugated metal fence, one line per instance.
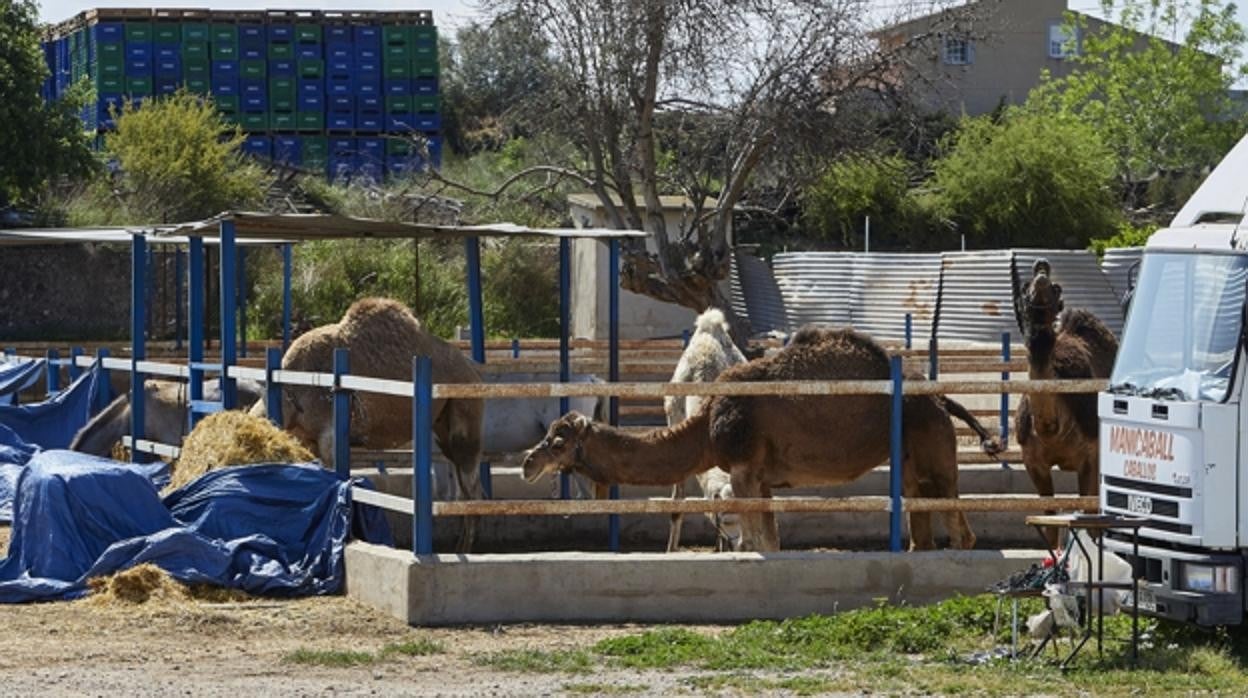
(964, 296)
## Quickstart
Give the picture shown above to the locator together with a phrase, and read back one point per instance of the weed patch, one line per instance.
(329, 658)
(537, 661)
(419, 647)
(602, 689)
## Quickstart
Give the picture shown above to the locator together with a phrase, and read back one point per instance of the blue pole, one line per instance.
(286, 302)
(242, 301)
(476, 318)
(1005, 397)
(74, 370)
(150, 272)
(933, 359)
(342, 416)
(422, 452)
(613, 372)
(685, 336)
(909, 331)
(105, 395)
(229, 393)
(272, 390)
(515, 348)
(196, 323)
(565, 334)
(894, 459)
(177, 299)
(52, 372)
(138, 343)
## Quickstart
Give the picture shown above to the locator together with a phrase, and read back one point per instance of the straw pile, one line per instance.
(234, 438)
(138, 585)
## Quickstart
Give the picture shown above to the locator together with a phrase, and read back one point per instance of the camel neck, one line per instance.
(1040, 344)
(660, 457)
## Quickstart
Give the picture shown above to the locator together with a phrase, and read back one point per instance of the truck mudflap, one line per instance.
(1159, 572)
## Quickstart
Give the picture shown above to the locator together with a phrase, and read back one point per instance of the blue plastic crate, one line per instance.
(166, 85)
(311, 102)
(258, 146)
(398, 87)
(369, 68)
(288, 149)
(138, 67)
(339, 86)
(253, 53)
(340, 67)
(369, 121)
(104, 105)
(369, 171)
(109, 32)
(309, 52)
(282, 68)
(225, 69)
(342, 147)
(368, 36)
(169, 67)
(425, 86)
(225, 87)
(251, 87)
(281, 32)
(255, 103)
(371, 54)
(340, 168)
(434, 144)
(342, 103)
(428, 122)
(340, 121)
(400, 123)
(339, 52)
(372, 148)
(138, 51)
(311, 86)
(338, 33)
(369, 103)
(166, 51)
(252, 35)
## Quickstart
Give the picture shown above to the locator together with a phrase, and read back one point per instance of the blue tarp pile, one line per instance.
(17, 375)
(277, 530)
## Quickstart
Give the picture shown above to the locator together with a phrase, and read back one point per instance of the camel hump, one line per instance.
(1101, 343)
(367, 311)
(712, 321)
(808, 334)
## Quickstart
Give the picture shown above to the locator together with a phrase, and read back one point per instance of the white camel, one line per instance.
(710, 351)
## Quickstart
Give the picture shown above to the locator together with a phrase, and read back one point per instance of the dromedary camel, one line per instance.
(1060, 429)
(164, 415)
(710, 351)
(766, 442)
(383, 336)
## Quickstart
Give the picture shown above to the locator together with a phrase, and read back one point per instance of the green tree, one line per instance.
(39, 141)
(868, 184)
(180, 161)
(1159, 106)
(1029, 180)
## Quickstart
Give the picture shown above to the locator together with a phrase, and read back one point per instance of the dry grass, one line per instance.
(141, 584)
(234, 438)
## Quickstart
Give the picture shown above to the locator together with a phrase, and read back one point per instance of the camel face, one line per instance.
(560, 450)
(1041, 299)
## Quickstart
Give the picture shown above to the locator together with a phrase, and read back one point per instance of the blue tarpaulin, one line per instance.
(277, 530)
(53, 422)
(17, 375)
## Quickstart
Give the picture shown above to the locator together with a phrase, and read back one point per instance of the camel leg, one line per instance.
(944, 485)
(920, 521)
(1041, 474)
(770, 526)
(754, 526)
(673, 535)
(460, 441)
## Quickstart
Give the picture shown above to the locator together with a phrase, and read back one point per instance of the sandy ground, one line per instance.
(240, 648)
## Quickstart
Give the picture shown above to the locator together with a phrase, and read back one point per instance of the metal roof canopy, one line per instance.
(301, 227)
(119, 236)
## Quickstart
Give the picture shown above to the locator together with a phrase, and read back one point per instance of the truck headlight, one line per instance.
(1222, 579)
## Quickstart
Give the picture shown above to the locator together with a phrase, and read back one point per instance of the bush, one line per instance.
(868, 184)
(1128, 235)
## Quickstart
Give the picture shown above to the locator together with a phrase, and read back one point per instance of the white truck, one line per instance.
(1173, 421)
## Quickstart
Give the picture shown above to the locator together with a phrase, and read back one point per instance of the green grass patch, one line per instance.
(602, 689)
(538, 661)
(746, 683)
(329, 658)
(418, 647)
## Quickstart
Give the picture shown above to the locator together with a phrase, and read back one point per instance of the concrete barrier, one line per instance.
(659, 588)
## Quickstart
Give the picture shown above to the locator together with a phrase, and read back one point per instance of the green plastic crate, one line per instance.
(139, 86)
(279, 51)
(110, 84)
(425, 53)
(196, 68)
(197, 85)
(401, 53)
(425, 34)
(398, 70)
(230, 118)
(255, 121)
(227, 103)
(224, 51)
(396, 35)
(166, 33)
(138, 32)
(282, 103)
(399, 104)
(282, 121)
(108, 50)
(195, 49)
(111, 65)
(311, 68)
(225, 34)
(424, 69)
(253, 69)
(308, 33)
(310, 121)
(315, 148)
(282, 87)
(196, 31)
(398, 146)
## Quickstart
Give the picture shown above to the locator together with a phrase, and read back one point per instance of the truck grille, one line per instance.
(1132, 497)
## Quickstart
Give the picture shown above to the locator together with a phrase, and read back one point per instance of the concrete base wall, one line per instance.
(657, 588)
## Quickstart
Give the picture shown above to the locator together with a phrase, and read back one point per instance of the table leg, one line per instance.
(1135, 598)
(1100, 594)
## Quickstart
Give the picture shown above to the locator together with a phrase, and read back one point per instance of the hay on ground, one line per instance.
(234, 438)
(138, 585)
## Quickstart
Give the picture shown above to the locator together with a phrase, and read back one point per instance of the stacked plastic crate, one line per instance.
(345, 93)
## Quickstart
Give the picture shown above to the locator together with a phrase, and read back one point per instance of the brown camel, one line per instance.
(766, 442)
(1060, 429)
(383, 336)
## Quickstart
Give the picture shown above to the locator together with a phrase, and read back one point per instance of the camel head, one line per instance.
(1039, 302)
(560, 450)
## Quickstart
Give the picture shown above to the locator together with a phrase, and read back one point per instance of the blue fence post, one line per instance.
(272, 389)
(242, 301)
(422, 455)
(286, 299)
(342, 416)
(178, 274)
(565, 333)
(613, 372)
(685, 336)
(933, 359)
(515, 348)
(149, 271)
(476, 320)
(74, 369)
(105, 394)
(1005, 397)
(229, 310)
(52, 371)
(138, 342)
(909, 331)
(10, 351)
(196, 324)
(895, 458)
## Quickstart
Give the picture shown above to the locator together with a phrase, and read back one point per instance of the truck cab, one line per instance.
(1172, 419)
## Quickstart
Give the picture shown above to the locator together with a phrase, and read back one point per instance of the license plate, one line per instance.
(1148, 602)
(1138, 504)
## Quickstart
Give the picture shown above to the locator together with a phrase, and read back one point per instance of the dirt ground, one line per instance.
(244, 648)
